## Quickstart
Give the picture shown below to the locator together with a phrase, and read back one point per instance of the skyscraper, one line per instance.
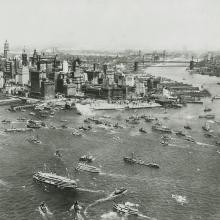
(6, 49)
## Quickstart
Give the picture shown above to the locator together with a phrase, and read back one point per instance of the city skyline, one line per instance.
(111, 25)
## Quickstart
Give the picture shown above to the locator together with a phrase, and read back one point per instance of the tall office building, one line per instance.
(6, 49)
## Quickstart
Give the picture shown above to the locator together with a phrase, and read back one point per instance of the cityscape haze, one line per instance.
(112, 24)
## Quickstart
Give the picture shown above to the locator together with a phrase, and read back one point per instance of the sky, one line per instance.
(111, 24)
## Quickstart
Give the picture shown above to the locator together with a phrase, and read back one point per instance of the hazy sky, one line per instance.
(111, 24)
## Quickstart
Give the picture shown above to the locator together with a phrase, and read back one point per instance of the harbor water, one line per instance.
(186, 187)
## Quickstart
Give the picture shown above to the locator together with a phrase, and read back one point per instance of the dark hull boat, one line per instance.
(131, 160)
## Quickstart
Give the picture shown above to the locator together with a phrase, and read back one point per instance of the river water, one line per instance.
(186, 187)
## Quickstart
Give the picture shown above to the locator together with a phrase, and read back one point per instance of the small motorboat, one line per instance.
(63, 120)
(125, 209)
(217, 143)
(44, 210)
(34, 140)
(119, 191)
(58, 154)
(142, 130)
(187, 127)
(64, 126)
(206, 127)
(82, 128)
(21, 119)
(207, 109)
(190, 139)
(88, 168)
(5, 121)
(165, 137)
(209, 135)
(87, 158)
(33, 125)
(76, 133)
(164, 142)
(150, 118)
(180, 133)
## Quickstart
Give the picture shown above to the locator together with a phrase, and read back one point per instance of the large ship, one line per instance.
(55, 180)
(116, 106)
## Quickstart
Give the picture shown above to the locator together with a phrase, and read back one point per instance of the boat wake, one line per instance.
(112, 216)
(204, 144)
(90, 190)
(180, 199)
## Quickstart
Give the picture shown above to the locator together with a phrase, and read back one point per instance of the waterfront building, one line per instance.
(1, 80)
(129, 80)
(70, 89)
(47, 90)
(35, 83)
(65, 67)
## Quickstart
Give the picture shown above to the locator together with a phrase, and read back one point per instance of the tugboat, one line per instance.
(142, 130)
(55, 180)
(207, 109)
(88, 168)
(187, 127)
(87, 158)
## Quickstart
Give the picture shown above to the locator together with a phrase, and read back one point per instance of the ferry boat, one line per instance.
(87, 168)
(150, 118)
(161, 128)
(55, 180)
(209, 116)
(18, 129)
